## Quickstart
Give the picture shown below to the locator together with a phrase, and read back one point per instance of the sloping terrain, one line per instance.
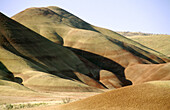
(12, 91)
(48, 50)
(98, 48)
(76, 33)
(142, 73)
(5, 74)
(160, 42)
(28, 52)
(152, 95)
(11, 86)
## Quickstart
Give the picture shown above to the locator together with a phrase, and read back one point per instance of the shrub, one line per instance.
(66, 100)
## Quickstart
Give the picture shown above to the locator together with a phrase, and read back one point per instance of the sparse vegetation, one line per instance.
(9, 106)
(20, 106)
(66, 100)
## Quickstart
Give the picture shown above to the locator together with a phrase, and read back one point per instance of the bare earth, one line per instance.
(52, 98)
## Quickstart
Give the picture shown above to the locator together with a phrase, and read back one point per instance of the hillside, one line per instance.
(158, 42)
(55, 23)
(68, 50)
(30, 54)
(148, 72)
(98, 48)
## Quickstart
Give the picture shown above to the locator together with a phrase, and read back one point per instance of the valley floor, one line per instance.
(15, 102)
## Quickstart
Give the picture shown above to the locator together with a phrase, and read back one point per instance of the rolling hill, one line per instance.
(30, 54)
(47, 50)
(56, 24)
(98, 48)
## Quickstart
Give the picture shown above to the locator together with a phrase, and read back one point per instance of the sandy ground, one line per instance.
(51, 99)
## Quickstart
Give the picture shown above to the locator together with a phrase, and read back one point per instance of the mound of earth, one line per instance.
(151, 95)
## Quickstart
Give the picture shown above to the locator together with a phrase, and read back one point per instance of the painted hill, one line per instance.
(152, 95)
(105, 53)
(92, 56)
(27, 55)
(59, 24)
(50, 50)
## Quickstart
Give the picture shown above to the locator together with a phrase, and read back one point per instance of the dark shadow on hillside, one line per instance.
(9, 75)
(70, 19)
(135, 50)
(104, 64)
(14, 34)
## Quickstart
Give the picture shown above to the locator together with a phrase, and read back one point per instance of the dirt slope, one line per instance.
(147, 96)
(142, 73)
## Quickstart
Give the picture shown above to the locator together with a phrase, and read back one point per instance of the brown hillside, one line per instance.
(147, 96)
(142, 73)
